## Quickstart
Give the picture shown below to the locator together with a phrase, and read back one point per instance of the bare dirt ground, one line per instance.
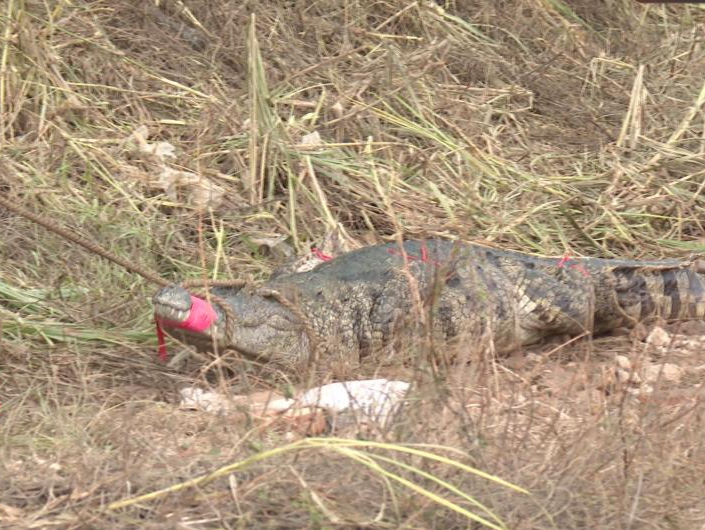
(189, 136)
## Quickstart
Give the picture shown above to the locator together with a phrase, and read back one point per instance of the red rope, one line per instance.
(424, 252)
(577, 266)
(163, 355)
(423, 258)
(565, 259)
(320, 254)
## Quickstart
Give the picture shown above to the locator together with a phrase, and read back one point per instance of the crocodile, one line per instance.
(373, 298)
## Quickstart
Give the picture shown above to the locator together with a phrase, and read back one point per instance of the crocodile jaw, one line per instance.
(264, 330)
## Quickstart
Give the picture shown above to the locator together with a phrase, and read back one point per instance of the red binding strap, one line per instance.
(199, 319)
(320, 254)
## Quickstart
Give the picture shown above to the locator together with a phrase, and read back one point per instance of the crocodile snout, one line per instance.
(172, 303)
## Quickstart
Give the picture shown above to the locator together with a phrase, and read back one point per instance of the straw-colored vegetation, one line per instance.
(182, 135)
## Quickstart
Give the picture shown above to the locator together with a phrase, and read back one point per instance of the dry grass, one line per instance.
(547, 126)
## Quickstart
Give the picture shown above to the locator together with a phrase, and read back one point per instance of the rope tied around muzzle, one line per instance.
(202, 314)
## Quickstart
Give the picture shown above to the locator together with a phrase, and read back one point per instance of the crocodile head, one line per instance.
(263, 329)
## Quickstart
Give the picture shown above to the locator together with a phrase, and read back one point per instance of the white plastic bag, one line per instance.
(373, 399)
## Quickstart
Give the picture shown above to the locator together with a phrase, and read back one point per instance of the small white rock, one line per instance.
(193, 398)
(628, 376)
(658, 337)
(623, 362)
(643, 390)
(667, 372)
(533, 357)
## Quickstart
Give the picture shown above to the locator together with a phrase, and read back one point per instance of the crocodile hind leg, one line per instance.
(514, 301)
(550, 300)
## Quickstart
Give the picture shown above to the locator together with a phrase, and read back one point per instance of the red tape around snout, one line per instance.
(199, 319)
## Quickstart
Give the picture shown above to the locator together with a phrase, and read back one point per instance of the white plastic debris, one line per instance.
(373, 399)
(161, 150)
(177, 184)
(193, 398)
(669, 372)
(196, 188)
(312, 139)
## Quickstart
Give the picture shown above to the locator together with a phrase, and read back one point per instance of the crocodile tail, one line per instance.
(631, 292)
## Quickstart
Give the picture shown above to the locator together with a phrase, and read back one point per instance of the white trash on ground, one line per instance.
(194, 398)
(178, 185)
(372, 400)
